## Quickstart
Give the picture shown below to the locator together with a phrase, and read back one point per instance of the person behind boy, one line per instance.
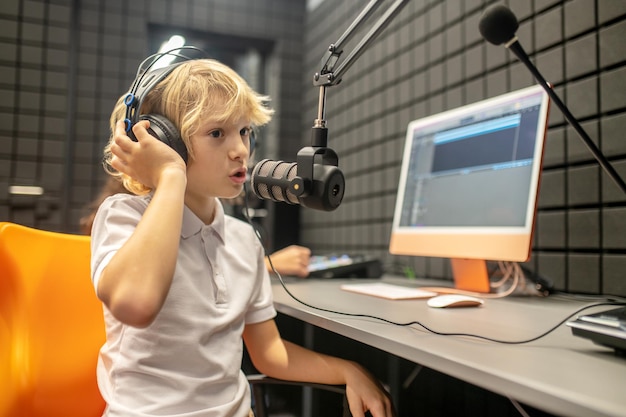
(182, 284)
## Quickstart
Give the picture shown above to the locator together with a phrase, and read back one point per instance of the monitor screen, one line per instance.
(469, 183)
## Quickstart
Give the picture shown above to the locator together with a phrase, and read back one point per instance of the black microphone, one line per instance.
(321, 189)
(498, 25)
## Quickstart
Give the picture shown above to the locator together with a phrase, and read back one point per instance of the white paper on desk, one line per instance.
(389, 291)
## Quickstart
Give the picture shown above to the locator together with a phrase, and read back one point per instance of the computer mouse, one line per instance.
(454, 300)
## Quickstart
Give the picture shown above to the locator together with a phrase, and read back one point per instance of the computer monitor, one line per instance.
(469, 183)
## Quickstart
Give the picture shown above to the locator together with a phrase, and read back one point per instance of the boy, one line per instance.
(182, 283)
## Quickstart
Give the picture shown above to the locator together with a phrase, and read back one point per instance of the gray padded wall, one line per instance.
(64, 63)
(432, 58)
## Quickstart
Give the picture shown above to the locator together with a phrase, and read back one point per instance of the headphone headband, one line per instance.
(146, 79)
(142, 87)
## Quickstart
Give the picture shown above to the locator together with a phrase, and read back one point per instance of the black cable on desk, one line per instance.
(415, 322)
(461, 334)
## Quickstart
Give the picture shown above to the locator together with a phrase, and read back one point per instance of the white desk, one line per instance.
(560, 373)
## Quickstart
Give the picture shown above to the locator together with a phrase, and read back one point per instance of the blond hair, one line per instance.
(194, 91)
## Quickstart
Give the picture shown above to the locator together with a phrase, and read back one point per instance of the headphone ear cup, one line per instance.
(165, 131)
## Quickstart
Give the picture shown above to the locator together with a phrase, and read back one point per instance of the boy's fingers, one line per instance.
(140, 127)
(120, 127)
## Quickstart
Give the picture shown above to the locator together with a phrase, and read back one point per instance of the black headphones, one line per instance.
(160, 126)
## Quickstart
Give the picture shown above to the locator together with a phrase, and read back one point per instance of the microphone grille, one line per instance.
(277, 170)
(261, 169)
(498, 24)
(288, 172)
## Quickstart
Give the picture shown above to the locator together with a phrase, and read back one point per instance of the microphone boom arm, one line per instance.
(317, 181)
(518, 50)
(326, 76)
(302, 185)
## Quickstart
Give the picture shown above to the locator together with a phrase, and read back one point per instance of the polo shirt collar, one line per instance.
(193, 225)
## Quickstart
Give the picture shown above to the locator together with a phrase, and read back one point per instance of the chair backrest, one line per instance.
(51, 325)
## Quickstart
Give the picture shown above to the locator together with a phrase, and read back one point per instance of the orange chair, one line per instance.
(51, 325)
(51, 328)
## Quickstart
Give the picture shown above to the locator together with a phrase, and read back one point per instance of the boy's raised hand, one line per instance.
(145, 160)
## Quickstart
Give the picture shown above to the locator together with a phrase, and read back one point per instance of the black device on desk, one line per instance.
(607, 328)
(344, 266)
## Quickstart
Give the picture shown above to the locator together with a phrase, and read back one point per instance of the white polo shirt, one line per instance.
(188, 361)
